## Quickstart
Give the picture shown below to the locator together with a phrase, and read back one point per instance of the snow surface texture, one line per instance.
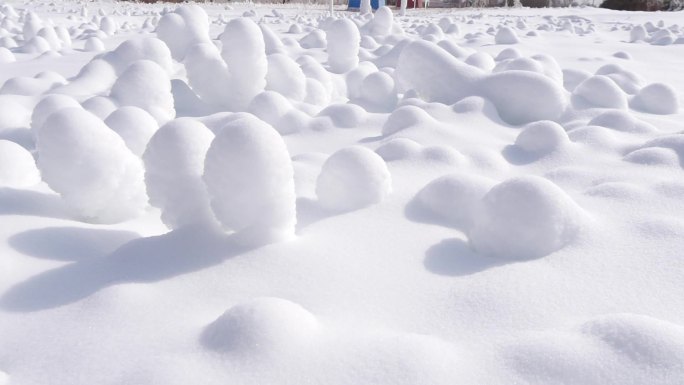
(280, 194)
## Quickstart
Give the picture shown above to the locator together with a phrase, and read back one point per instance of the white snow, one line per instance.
(249, 177)
(262, 193)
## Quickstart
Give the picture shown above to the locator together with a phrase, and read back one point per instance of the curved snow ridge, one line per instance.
(519, 96)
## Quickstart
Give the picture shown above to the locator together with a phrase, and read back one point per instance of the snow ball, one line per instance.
(525, 218)
(93, 44)
(343, 46)
(262, 325)
(147, 48)
(642, 338)
(8, 42)
(638, 33)
(134, 125)
(481, 60)
(269, 106)
(295, 28)
(620, 120)
(174, 164)
(522, 97)
(399, 148)
(316, 93)
(249, 178)
(48, 105)
(291, 122)
(146, 85)
(654, 156)
(381, 24)
(186, 26)
(378, 91)
(243, 50)
(314, 39)
(508, 53)
(352, 178)
(601, 91)
(36, 45)
(356, 76)
(622, 55)
(344, 115)
(90, 167)
(272, 42)
(542, 137)
(17, 167)
(101, 106)
(454, 197)
(657, 98)
(506, 35)
(285, 77)
(404, 117)
(108, 25)
(443, 154)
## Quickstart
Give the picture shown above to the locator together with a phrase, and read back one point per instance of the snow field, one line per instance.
(212, 193)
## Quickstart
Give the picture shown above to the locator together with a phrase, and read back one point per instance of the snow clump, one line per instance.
(506, 35)
(523, 218)
(90, 167)
(181, 29)
(455, 197)
(542, 137)
(174, 164)
(244, 53)
(17, 167)
(134, 125)
(262, 326)
(146, 85)
(353, 178)
(250, 180)
(343, 46)
(657, 98)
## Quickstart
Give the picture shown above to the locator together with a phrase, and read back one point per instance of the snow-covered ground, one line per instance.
(262, 194)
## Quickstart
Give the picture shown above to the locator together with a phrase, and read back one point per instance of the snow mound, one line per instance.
(249, 178)
(641, 338)
(542, 138)
(654, 156)
(620, 120)
(134, 125)
(101, 106)
(523, 218)
(657, 98)
(399, 148)
(638, 33)
(262, 326)
(186, 26)
(244, 52)
(174, 164)
(455, 198)
(378, 92)
(601, 91)
(146, 85)
(285, 77)
(353, 178)
(519, 96)
(17, 167)
(6, 56)
(506, 35)
(343, 46)
(404, 117)
(133, 50)
(93, 44)
(90, 167)
(48, 105)
(270, 107)
(344, 115)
